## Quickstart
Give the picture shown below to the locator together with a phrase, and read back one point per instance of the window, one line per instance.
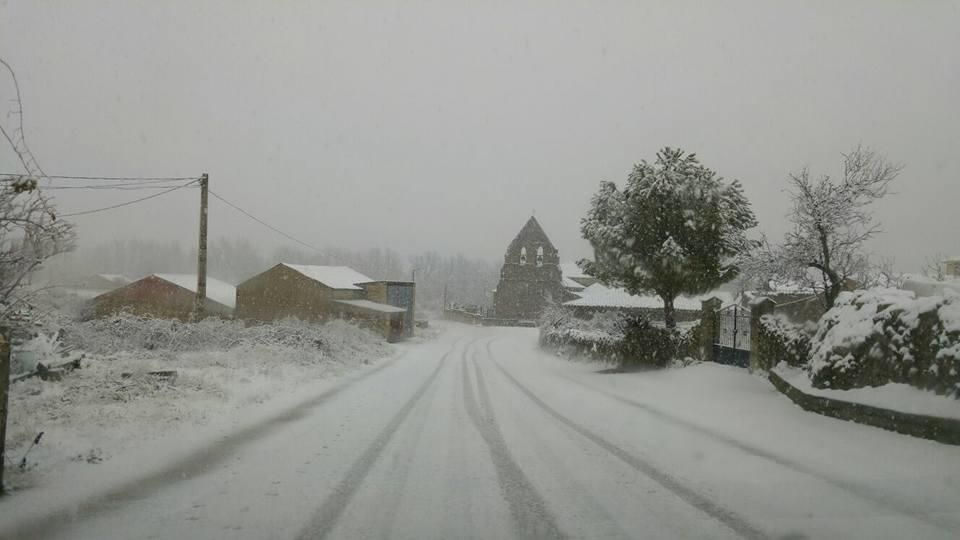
(523, 256)
(540, 256)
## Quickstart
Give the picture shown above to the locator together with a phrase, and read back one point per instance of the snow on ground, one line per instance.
(805, 470)
(893, 396)
(480, 434)
(113, 404)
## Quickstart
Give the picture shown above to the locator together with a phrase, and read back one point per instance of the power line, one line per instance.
(265, 224)
(126, 187)
(144, 179)
(95, 210)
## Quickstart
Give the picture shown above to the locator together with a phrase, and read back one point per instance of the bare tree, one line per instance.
(30, 232)
(881, 273)
(832, 221)
(933, 267)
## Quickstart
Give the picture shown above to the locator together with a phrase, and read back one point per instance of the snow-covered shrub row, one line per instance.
(878, 336)
(308, 343)
(628, 340)
(646, 343)
(784, 340)
(597, 337)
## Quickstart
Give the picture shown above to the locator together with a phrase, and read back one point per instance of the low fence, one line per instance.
(944, 430)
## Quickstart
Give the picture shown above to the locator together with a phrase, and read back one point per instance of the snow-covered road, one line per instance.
(478, 434)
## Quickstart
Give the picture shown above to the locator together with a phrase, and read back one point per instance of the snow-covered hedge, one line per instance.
(614, 337)
(878, 336)
(781, 339)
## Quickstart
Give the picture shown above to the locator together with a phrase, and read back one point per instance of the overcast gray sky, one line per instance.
(442, 125)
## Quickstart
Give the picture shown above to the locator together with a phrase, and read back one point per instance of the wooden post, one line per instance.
(201, 298)
(759, 360)
(4, 400)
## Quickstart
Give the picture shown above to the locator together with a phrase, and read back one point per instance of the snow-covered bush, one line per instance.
(649, 344)
(878, 336)
(628, 340)
(785, 341)
(597, 337)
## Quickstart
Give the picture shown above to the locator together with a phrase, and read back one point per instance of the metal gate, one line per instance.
(731, 337)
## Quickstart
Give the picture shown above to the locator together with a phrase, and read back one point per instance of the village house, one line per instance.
(530, 277)
(168, 296)
(573, 278)
(319, 293)
(951, 267)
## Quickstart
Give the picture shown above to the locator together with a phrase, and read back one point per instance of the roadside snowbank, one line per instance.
(113, 402)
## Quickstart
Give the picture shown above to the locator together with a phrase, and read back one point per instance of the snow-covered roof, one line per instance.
(335, 277)
(569, 274)
(373, 306)
(955, 258)
(570, 284)
(218, 291)
(599, 295)
(922, 285)
(788, 286)
(571, 270)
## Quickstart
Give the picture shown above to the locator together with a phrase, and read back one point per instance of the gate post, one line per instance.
(708, 327)
(758, 353)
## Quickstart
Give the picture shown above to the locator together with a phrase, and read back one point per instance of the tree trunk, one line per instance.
(669, 314)
(833, 292)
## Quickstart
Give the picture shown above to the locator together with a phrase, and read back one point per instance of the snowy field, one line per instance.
(113, 405)
(479, 434)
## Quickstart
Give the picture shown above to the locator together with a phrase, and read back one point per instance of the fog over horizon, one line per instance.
(443, 126)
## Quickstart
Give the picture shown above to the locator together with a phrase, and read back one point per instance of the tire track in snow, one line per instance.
(585, 500)
(529, 510)
(325, 519)
(729, 518)
(858, 491)
(185, 468)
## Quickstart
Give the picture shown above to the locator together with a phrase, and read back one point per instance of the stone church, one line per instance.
(530, 277)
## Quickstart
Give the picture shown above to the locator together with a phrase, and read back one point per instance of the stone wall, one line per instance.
(945, 430)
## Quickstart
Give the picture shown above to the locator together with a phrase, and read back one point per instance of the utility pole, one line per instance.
(201, 298)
